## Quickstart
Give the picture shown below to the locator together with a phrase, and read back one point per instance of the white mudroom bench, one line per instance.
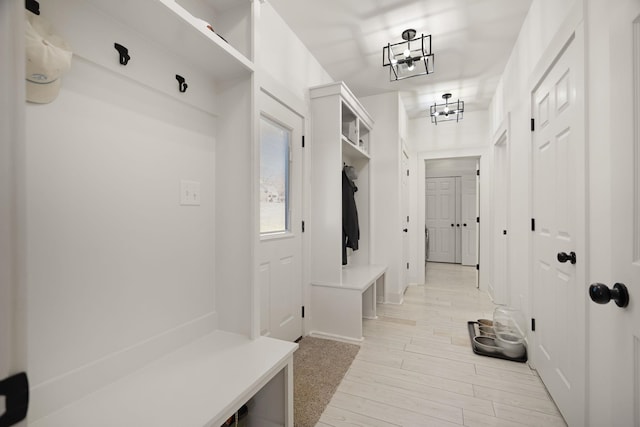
(200, 384)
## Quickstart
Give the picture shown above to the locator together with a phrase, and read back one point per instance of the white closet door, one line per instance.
(440, 218)
(559, 203)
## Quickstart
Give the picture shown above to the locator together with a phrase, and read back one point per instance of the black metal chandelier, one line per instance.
(410, 58)
(447, 111)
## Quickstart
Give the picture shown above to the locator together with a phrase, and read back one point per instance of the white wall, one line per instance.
(118, 272)
(548, 18)
(470, 132)
(113, 260)
(451, 167)
(283, 59)
(386, 203)
(510, 110)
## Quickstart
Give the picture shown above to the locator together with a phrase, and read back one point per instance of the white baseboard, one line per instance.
(334, 337)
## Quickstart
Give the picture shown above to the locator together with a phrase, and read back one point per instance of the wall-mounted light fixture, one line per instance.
(410, 58)
(447, 111)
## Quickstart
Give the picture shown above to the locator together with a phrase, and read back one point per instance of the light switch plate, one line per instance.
(189, 193)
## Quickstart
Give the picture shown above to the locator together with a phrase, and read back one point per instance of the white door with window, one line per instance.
(280, 247)
(616, 335)
(559, 210)
(441, 219)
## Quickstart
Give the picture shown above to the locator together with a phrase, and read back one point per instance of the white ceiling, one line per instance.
(471, 40)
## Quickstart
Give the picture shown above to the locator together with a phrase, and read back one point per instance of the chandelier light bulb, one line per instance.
(411, 67)
(394, 61)
(407, 53)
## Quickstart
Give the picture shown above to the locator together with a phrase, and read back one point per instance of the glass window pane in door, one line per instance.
(274, 177)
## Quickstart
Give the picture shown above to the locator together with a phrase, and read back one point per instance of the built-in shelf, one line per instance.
(351, 150)
(168, 24)
(344, 284)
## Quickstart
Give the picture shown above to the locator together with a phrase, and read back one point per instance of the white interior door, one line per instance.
(440, 218)
(469, 225)
(404, 179)
(280, 247)
(559, 210)
(498, 287)
(618, 331)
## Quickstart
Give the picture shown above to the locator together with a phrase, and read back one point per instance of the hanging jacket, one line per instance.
(350, 227)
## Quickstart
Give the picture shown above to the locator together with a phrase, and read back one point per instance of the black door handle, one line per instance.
(405, 229)
(452, 225)
(564, 257)
(16, 391)
(458, 225)
(464, 225)
(601, 294)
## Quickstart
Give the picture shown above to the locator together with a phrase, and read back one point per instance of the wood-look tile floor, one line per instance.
(416, 366)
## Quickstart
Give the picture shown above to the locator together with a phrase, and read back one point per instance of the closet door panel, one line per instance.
(440, 220)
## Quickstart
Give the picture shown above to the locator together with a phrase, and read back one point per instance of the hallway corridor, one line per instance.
(416, 366)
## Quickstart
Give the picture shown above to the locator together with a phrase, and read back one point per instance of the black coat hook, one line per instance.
(32, 6)
(182, 86)
(124, 53)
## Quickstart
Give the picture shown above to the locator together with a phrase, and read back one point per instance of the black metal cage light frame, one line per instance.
(447, 111)
(411, 58)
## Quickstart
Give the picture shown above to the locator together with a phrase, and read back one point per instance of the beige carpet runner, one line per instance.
(318, 368)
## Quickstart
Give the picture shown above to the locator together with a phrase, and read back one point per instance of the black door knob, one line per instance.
(564, 257)
(601, 294)
(458, 225)
(464, 225)
(405, 229)
(452, 225)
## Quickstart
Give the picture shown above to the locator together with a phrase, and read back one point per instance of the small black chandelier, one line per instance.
(410, 58)
(447, 111)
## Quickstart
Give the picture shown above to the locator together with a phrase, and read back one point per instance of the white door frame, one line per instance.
(13, 331)
(501, 290)
(266, 84)
(571, 31)
(565, 33)
(406, 212)
(485, 181)
(614, 333)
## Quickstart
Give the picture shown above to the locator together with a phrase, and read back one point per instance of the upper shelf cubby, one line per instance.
(181, 28)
